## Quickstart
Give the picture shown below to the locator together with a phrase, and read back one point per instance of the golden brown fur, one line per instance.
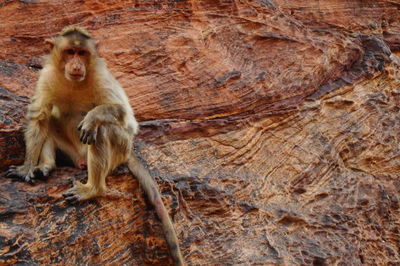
(82, 110)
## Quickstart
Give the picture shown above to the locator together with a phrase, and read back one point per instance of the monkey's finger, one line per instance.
(45, 171)
(71, 196)
(87, 136)
(72, 199)
(83, 136)
(13, 167)
(12, 173)
(80, 125)
(68, 193)
(91, 138)
(29, 179)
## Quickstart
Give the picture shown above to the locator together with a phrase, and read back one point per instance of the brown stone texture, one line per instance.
(271, 127)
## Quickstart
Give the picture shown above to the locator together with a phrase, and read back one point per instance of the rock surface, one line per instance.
(271, 128)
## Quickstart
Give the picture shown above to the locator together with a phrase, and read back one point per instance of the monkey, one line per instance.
(79, 108)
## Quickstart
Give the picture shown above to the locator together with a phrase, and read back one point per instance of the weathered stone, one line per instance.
(12, 109)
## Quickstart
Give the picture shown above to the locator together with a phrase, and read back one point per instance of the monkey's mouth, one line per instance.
(76, 76)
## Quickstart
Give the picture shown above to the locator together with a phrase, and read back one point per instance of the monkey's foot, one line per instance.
(81, 192)
(42, 171)
(30, 175)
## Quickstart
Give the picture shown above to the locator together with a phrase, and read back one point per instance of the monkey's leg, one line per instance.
(35, 137)
(110, 149)
(47, 160)
(97, 173)
(46, 164)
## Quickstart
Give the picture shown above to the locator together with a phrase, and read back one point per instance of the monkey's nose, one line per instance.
(76, 69)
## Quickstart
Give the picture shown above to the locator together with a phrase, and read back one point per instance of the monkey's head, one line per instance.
(73, 51)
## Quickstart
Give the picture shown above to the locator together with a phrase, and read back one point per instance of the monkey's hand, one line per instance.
(28, 174)
(88, 128)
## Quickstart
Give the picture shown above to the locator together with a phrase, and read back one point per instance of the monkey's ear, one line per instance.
(50, 42)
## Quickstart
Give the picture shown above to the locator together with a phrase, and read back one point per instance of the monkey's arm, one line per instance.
(100, 115)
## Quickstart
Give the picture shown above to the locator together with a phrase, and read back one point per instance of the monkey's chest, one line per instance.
(68, 110)
(69, 102)
(65, 118)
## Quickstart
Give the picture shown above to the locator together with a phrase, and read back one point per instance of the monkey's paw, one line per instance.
(29, 175)
(80, 192)
(16, 171)
(21, 172)
(88, 130)
(41, 172)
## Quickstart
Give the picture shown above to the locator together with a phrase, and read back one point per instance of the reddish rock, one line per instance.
(270, 126)
(12, 109)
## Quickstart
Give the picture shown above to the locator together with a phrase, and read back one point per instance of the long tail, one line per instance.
(147, 182)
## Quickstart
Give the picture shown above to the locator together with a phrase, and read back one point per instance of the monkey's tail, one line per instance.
(147, 182)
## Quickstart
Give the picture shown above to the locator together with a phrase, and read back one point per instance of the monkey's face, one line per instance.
(72, 54)
(75, 61)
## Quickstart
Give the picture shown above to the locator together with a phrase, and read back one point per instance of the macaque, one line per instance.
(80, 109)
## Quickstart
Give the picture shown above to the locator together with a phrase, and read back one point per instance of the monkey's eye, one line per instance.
(81, 52)
(70, 51)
